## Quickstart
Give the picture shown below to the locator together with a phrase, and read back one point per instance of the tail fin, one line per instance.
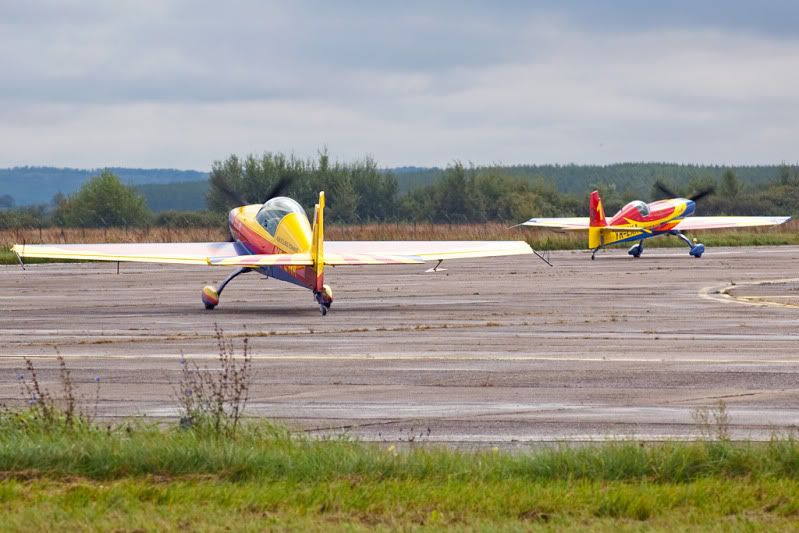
(596, 218)
(596, 213)
(318, 243)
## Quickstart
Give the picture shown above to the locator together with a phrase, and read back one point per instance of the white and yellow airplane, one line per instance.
(277, 240)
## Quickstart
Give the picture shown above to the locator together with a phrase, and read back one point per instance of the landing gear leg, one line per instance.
(637, 250)
(697, 248)
(593, 253)
(210, 295)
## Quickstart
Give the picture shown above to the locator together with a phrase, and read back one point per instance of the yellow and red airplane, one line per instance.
(638, 221)
(277, 240)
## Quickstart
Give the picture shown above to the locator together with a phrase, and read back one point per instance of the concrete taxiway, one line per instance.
(496, 351)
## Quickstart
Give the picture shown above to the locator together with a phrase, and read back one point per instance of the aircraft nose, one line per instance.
(690, 207)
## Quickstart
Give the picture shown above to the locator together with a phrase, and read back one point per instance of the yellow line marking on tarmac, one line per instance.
(721, 293)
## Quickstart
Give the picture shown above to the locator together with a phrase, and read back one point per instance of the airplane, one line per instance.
(638, 221)
(277, 240)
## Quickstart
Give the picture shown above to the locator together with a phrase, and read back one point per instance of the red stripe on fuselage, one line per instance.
(660, 210)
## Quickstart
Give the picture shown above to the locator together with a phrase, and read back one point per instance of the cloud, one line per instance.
(180, 84)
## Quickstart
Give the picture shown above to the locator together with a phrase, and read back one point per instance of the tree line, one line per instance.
(359, 191)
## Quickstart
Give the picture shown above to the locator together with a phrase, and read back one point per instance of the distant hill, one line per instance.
(170, 189)
(178, 196)
(38, 185)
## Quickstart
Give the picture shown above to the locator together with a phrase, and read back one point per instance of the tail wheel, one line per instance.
(327, 296)
(324, 298)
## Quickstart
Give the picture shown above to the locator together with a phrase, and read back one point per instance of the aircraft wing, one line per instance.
(234, 254)
(182, 253)
(398, 252)
(694, 223)
(559, 224)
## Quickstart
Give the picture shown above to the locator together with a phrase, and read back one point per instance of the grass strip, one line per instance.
(261, 451)
(145, 477)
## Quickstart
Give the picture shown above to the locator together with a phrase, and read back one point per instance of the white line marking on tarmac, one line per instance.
(721, 293)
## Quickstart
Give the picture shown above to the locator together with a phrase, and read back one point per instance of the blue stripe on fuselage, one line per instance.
(272, 271)
(279, 274)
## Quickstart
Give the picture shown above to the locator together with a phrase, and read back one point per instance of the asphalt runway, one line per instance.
(505, 351)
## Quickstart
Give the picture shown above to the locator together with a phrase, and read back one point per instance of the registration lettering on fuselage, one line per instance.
(621, 235)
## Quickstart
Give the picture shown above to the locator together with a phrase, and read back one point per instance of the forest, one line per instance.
(361, 192)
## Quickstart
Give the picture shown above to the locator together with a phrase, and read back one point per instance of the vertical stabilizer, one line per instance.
(318, 243)
(596, 218)
(596, 213)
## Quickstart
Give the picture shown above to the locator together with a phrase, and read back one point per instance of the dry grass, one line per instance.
(9, 237)
(785, 234)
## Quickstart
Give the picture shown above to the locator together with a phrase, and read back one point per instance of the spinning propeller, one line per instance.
(239, 199)
(219, 182)
(698, 195)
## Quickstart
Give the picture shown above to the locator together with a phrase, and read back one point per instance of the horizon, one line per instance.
(420, 167)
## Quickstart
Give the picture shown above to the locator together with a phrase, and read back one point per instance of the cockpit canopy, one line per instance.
(273, 211)
(640, 206)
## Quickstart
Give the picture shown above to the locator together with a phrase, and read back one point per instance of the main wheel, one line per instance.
(210, 297)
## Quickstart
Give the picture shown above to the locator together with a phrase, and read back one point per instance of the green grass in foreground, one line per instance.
(172, 479)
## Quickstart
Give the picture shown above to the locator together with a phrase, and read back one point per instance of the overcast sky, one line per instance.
(172, 83)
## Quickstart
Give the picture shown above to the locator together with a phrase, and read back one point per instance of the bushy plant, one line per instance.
(213, 399)
(48, 412)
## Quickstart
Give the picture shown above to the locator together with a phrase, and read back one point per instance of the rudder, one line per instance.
(318, 244)
(596, 219)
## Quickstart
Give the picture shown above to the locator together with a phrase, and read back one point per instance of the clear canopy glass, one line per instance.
(273, 211)
(642, 208)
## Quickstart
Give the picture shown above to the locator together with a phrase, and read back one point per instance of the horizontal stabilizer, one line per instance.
(303, 259)
(559, 224)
